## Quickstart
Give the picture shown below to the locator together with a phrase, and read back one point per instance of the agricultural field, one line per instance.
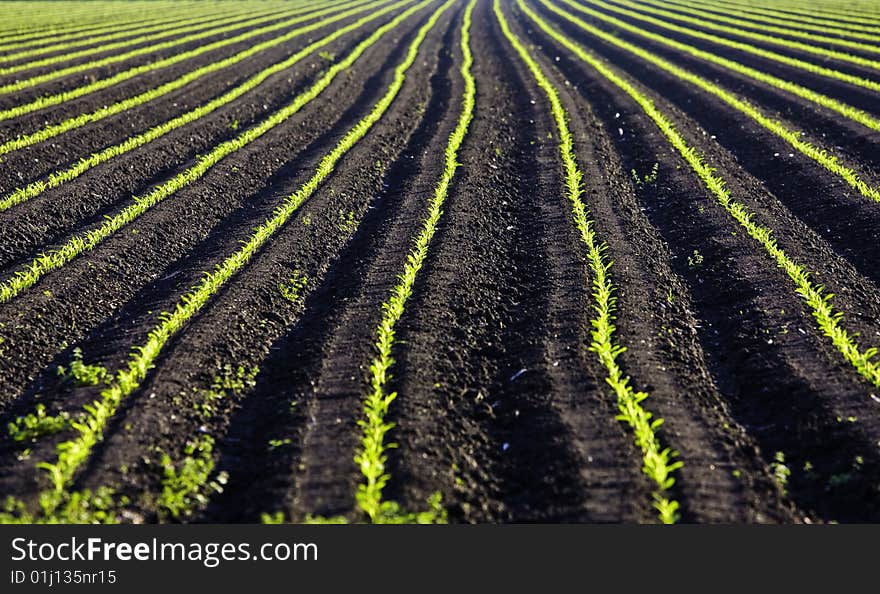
(436, 261)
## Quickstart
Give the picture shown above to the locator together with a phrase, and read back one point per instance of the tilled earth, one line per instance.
(501, 405)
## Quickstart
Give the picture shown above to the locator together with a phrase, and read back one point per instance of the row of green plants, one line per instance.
(104, 43)
(53, 130)
(789, 44)
(44, 37)
(187, 482)
(99, 84)
(844, 109)
(801, 21)
(78, 244)
(72, 453)
(38, 79)
(793, 137)
(47, 21)
(704, 16)
(838, 15)
(659, 463)
(755, 50)
(819, 302)
(372, 456)
(57, 178)
(836, 12)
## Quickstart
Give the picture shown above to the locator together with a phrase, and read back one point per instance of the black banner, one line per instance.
(232, 558)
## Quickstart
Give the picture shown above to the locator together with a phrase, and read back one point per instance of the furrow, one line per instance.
(138, 36)
(699, 17)
(838, 15)
(793, 137)
(42, 265)
(849, 78)
(251, 319)
(166, 242)
(788, 20)
(57, 98)
(659, 462)
(782, 385)
(825, 53)
(77, 33)
(373, 453)
(848, 111)
(723, 479)
(75, 28)
(57, 178)
(53, 74)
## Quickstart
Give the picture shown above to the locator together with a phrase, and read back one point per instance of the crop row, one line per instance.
(819, 8)
(60, 177)
(373, 454)
(77, 33)
(81, 243)
(100, 84)
(658, 463)
(23, 18)
(817, 300)
(147, 33)
(52, 130)
(38, 79)
(746, 47)
(848, 111)
(56, 501)
(779, 18)
(793, 137)
(706, 20)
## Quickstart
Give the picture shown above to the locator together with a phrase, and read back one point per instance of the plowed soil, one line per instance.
(501, 405)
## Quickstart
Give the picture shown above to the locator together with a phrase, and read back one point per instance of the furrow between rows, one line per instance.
(103, 83)
(74, 453)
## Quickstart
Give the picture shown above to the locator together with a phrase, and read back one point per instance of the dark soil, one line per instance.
(501, 406)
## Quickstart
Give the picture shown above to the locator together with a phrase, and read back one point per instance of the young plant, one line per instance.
(791, 136)
(373, 455)
(82, 374)
(37, 425)
(347, 222)
(649, 178)
(658, 462)
(73, 453)
(829, 321)
(188, 484)
(781, 472)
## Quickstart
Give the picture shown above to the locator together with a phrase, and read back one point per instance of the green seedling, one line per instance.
(781, 472)
(82, 374)
(188, 484)
(658, 463)
(73, 453)
(814, 296)
(37, 425)
(372, 456)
